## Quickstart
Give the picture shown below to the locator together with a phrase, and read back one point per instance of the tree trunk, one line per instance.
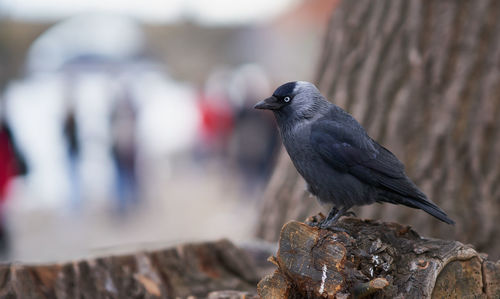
(423, 78)
(385, 260)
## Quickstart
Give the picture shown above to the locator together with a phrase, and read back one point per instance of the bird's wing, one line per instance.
(348, 148)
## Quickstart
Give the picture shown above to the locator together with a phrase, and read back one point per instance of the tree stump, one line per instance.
(357, 259)
(386, 260)
(202, 270)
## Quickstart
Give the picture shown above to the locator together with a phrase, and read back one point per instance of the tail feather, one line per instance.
(420, 201)
(432, 209)
(403, 191)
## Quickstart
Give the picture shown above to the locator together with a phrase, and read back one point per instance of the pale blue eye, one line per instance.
(286, 99)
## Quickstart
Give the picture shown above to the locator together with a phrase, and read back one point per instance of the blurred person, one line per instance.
(12, 161)
(217, 117)
(11, 164)
(35, 111)
(254, 141)
(70, 130)
(167, 123)
(123, 127)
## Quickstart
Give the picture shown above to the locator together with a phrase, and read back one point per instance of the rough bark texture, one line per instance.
(384, 260)
(357, 259)
(187, 271)
(423, 77)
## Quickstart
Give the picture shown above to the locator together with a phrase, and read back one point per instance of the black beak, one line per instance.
(270, 103)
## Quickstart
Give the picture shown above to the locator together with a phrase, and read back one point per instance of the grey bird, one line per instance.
(341, 164)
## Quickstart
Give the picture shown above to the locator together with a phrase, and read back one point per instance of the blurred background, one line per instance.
(127, 124)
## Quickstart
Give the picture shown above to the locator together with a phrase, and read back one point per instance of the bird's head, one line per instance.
(299, 98)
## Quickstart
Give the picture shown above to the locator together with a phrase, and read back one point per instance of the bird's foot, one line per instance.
(326, 224)
(316, 220)
(334, 216)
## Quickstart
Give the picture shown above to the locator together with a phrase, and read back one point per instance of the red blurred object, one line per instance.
(217, 120)
(7, 161)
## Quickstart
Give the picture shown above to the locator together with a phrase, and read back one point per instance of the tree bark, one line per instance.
(423, 78)
(358, 258)
(385, 260)
(186, 271)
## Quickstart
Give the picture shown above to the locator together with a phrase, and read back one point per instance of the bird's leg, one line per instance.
(318, 222)
(334, 216)
(331, 214)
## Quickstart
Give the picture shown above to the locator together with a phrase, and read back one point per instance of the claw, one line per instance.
(334, 216)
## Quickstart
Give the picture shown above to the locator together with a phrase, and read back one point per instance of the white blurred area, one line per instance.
(136, 120)
(88, 64)
(68, 204)
(210, 12)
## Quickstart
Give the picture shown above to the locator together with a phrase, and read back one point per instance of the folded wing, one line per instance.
(347, 148)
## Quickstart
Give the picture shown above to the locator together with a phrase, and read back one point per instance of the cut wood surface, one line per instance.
(383, 260)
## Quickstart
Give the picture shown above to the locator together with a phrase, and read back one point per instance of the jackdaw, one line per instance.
(341, 164)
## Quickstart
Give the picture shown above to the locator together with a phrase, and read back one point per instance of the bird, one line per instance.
(341, 164)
